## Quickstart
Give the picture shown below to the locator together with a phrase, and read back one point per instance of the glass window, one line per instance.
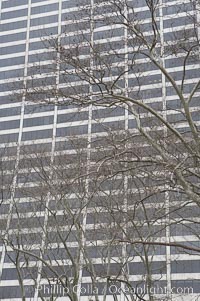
(43, 32)
(12, 124)
(8, 138)
(46, 56)
(37, 108)
(74, 3)
(44, 8)
(173, 22)
(44, 20)
(36, 1)
(4, 208)
(10, 99)
(176, 250)
(179, 37)
(11, 73)
(185, 266)
(37, 45)
(10, 3)
(132, 124)
(107, 34)
(36, 148)
(82, 89)
(9, 274)
(13, 37)
(12, 61)
(72, 117)
(14, 14)
(186, 287)
(15, 292)
(135, 3)
(12, 49)
(183, 230)
(11, 86)
(177, 8)
(72, 130)
(41, 82)
(10, 111)
(71, 144)
(107, 126)
(41, 69)
(176, 118)
(13, 25)
(104, 113)
(37, 135)
(38, 121)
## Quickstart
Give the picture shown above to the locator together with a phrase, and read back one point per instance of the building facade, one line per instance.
(88, 209)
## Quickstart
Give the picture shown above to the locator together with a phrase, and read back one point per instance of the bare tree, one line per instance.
(137, 184)
(70, 228)
(105, 66)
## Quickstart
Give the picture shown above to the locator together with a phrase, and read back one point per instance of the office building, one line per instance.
(88, 208)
